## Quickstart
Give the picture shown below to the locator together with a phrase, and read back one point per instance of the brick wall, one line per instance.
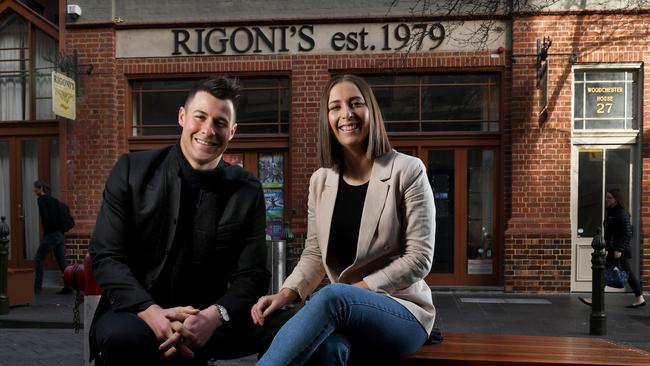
(76, 247)
(540, 222)
(537, 263)
(96, 138)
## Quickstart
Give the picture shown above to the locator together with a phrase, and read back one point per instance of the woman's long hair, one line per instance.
(329, 149)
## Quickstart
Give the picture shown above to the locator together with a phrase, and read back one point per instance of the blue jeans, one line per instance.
(344, 323)
(53, 241)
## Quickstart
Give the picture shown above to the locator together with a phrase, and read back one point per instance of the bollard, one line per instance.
(80, 278)
(275, 259)
(4, 268)
(598, 318)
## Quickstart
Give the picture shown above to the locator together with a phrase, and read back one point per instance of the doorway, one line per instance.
(599, 168)
(465, 187)
(22, 161)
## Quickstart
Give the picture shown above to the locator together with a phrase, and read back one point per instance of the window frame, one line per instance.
(33, 22)
(252, 139)
(496, 72)
(589, 134)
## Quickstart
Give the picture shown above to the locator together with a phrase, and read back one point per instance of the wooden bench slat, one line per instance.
(498, 349)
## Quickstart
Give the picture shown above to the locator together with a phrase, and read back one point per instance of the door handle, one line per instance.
(21, 213)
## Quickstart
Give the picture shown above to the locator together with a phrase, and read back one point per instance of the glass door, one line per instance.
(464, 185)
(6, 190)
(599, 169)
(23, 160)
(481, 212)
(441, 171)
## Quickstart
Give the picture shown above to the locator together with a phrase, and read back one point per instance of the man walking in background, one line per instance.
(53, 239)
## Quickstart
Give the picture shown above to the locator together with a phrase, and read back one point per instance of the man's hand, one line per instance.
(176, 344)
(157, 319)
(195, 329)
(266, 305)
(154, 316)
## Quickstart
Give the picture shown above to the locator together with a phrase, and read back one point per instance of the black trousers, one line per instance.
(122, 338)
(624, 263)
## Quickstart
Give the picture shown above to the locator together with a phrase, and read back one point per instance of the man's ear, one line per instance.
(181, 116)
(233, 129)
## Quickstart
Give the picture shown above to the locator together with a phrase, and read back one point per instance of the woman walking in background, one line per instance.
(618, 235)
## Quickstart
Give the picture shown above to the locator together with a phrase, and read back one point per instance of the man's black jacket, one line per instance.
(48, 208)
(136, 226)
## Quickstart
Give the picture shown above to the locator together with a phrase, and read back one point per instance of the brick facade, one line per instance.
(536, 155)
(541, 152)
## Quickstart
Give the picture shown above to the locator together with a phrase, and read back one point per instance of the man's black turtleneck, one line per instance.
(199, 189)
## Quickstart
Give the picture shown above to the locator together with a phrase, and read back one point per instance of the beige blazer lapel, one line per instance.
(375, 201)
(326, 210)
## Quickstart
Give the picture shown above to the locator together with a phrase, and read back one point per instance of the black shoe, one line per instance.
(584, 301)
(634, 306)
(64, 291)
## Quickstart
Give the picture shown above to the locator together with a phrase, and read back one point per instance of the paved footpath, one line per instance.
(56, 347)
(32, 347)
(42, 334)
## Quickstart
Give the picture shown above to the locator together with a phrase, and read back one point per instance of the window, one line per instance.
(22, 68)
(445, 102)
(270, 167)
(263, 106)
(605, 99)
(600, 170)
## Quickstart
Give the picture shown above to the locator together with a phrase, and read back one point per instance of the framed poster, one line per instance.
(271, 169)
(274, 199)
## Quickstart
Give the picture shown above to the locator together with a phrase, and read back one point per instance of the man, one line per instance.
(53, 238)
(179, 247)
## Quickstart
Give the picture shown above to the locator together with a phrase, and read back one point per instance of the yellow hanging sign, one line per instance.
(63, 96)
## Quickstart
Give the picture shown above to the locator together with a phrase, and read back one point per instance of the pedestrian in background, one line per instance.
(53, 238)
(618, 235)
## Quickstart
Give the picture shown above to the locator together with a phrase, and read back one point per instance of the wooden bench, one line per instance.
(497, 349)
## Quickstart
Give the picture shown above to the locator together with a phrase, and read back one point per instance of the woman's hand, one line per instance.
(361, 284)
(266, 305)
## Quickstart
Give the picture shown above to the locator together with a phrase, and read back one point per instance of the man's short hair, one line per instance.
(219, 87)
(42, 185)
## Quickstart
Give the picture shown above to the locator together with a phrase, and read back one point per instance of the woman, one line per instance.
(371, 226)
(618, 234)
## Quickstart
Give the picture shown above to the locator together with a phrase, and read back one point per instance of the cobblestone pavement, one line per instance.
(32, 347)
(57, 347)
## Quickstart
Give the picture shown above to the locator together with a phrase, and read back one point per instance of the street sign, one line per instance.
(63, 96)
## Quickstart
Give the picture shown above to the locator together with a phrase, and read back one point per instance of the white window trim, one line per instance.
(632, 66)
(609, 138)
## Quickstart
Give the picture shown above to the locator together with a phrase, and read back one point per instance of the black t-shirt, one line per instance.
(346, 221)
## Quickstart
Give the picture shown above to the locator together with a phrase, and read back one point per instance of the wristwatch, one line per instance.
(223, 313)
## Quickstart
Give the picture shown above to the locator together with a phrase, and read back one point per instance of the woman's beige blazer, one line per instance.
(396, 238)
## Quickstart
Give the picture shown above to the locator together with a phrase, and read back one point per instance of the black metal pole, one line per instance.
(4, 270)
(598, 318)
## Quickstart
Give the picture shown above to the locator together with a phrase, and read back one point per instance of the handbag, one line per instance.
(616, 277)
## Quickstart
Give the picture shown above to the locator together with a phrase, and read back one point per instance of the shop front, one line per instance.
(29, 131)
(441, 101)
